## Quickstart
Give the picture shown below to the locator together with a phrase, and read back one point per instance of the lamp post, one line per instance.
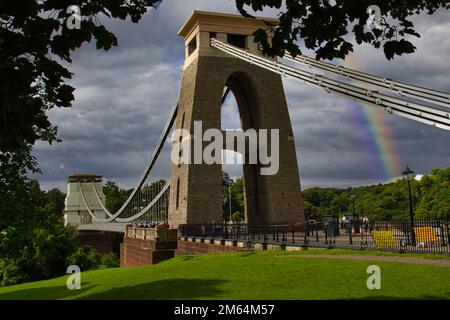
(229, 197)
(409, 174)
(227, 180)
(353, 197)
(355, 216)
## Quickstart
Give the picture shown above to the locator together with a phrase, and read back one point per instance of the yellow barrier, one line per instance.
(383, 239)
(425, 234)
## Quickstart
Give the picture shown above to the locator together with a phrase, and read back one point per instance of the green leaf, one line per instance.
(105, 39)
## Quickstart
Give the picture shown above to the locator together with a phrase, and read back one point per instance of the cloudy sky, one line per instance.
(124, 96)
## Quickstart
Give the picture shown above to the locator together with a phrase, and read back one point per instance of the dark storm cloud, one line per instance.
(124, 96)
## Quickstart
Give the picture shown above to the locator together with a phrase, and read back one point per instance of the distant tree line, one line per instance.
(431, 199)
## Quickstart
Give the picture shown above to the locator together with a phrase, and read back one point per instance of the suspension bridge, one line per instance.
(220, 57)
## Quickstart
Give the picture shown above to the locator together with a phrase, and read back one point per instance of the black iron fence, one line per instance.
(402, 236)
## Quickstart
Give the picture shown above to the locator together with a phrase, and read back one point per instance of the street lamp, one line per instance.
(409, 174)
(229, 197)
(353, 197)
(355, 217)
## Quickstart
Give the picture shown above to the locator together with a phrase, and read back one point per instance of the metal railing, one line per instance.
(431, 236)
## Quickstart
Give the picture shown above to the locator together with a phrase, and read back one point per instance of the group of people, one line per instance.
(148, 224)
(363, 220)
(361, 225)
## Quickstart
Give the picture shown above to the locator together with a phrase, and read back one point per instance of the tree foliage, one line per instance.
(238, 216)
(35, 41)
(232, 193)
(35, 244)
(36, 45)
(328, 27)
(115, 196)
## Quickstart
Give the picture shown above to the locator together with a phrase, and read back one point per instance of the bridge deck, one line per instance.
(111, 227)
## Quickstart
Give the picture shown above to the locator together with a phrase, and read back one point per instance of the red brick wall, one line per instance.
(100, 240)
(136, 252)
(188, 247)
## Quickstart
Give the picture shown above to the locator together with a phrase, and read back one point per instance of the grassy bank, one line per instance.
(267, 275)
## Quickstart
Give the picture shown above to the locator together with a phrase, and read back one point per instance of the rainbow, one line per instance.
(371, 126)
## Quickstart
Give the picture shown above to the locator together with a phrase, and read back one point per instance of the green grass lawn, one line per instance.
(266, 275)
(334, 251)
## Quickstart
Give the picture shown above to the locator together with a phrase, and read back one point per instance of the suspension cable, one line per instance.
(429, 115)
(402, 89)
(113, 217)
(86, 205)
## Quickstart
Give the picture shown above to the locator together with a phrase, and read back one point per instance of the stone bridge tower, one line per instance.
(75, 212)
(196, 189)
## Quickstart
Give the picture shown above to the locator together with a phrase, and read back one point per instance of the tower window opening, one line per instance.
(178, 194)
(192, 46)
(237, 40)
(180, 139)
(182, 122)
(180, 155)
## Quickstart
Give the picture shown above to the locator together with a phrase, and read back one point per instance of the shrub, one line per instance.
(237, 216)
(109, 260)
(85, 257)
(9, 273)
